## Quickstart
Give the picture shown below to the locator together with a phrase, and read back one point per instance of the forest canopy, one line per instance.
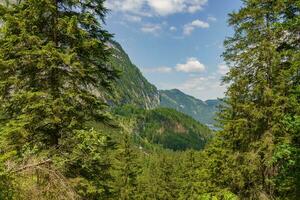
(61, 139)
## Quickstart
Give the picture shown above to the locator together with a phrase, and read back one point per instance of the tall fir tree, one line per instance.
(53, 55)
(127, 169)
(188, 175)
(264, 74)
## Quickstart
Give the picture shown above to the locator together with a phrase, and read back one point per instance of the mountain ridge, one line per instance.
(133, 88)
(202, 111)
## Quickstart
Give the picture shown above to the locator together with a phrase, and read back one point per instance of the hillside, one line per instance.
(132, 87)
(166, 127)
(203, 111)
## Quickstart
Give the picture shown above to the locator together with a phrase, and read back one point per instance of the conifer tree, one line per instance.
(53, 55)
(127, 170)
(263, 79)
(163, 171)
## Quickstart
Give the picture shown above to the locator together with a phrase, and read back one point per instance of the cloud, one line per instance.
(156, 7)
(151, 28)
(173, 28)
(223, 69)
(202, 87)
(194, 84)
(192, 65)
(158, 70)
(133, 18)
(190, 27)
(209, 87)
(212, 19)
(132, 6)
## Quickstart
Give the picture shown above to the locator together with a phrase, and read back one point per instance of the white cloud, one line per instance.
(202, 87)
(209, 87)
(156, 7)
(190, 27)
(223, 69)
(173, 28)
(132, 6)
(158, 70)
(192, 65)
(212, 19)
(166, 7)
(194, 84)
(133, 18)
(151, 28)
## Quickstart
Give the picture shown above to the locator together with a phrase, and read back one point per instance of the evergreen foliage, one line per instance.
(166, 127)
(202, 111)
(52, 55)
(262, 101)
(127, 169)
(57, 140)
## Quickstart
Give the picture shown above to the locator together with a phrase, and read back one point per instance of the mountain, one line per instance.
(165, 127)
(203, 111)
(132, 87)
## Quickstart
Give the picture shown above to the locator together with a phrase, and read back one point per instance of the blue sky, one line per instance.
(175, 43)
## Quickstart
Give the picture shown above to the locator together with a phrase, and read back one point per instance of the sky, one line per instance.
(175, 43)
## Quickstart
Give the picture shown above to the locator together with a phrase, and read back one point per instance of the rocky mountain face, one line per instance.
(132, 87)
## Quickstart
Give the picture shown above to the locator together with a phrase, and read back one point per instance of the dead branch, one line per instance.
(49, 161)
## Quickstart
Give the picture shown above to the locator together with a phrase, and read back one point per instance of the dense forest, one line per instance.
(61, 138)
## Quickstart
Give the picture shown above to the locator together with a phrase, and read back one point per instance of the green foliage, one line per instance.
(166, 127)
(256, 149)
(204, 112)
(127, 168)
(132, 87)
(48, 68)
(88, 164)
(53, 54)
(7, 189)
(56, 142)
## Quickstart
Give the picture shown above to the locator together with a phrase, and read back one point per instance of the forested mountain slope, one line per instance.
(203, 111)
(166, 127)
(132, 87)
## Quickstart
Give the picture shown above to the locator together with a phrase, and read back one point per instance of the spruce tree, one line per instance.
(127, 169)
(263, 78)
(53, 55)
(189, 176)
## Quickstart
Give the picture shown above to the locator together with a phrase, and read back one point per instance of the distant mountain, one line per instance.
(132, 87)
(166, 127)
(203, 111)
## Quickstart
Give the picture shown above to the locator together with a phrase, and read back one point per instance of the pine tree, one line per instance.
(260, 95)
(189, 176)
(53, 55)
(127, 170)
(163, 172)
